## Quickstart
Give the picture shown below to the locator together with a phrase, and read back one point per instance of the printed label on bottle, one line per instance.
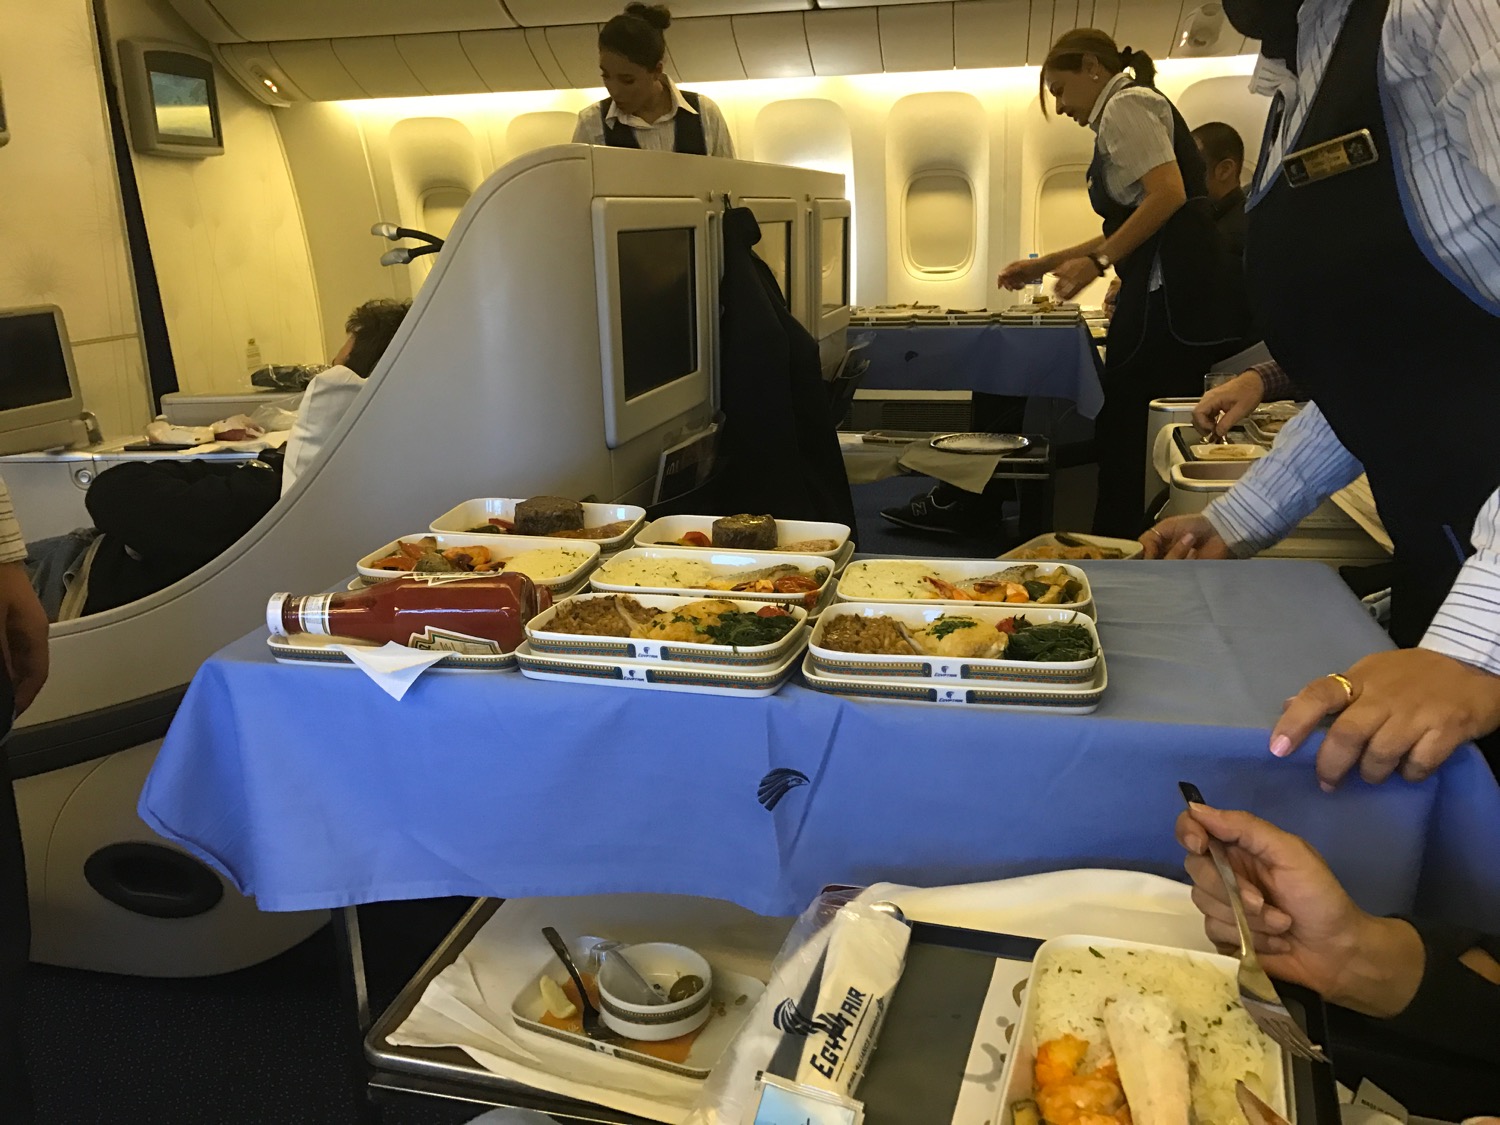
(312, 612)
(442, 579)
(445, 640)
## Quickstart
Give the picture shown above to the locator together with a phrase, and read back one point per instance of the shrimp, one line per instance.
(947, 589)
(1057, 1060)
(1072, 1101)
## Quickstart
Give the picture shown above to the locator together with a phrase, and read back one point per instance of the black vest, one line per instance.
(1203, 283)
(1357, 314)
(687, 128)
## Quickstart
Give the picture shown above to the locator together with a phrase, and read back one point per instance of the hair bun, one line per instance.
(658, 16)
(1125, 53)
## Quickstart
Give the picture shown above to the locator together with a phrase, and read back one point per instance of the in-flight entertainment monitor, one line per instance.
(656, 294)
(171, 99)
(40, 402)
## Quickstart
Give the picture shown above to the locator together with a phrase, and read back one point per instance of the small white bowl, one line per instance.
(660, 963)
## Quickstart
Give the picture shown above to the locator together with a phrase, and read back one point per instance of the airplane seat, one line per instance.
(521, 411)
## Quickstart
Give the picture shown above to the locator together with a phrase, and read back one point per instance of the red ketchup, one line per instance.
(487, 613)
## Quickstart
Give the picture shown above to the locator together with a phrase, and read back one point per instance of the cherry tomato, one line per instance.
(697, 539)
(1007, 626)
(771, 611)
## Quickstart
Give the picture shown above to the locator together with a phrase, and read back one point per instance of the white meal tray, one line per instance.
(508, 546)
(665, 531)
(745, 683)
(946, 671)
(961, 570)
(734, 998)
(304, 649)
(545, 642)
(1016, 1081)
(1212, 453)
(1131, 548)
(472, 513)
(721, 564)
(1077, 699)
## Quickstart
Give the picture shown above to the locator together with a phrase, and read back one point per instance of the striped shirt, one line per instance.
(659, 135)
(1440, 60)
(12, 544)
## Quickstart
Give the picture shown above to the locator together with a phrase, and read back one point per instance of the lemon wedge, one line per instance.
(556, 1001)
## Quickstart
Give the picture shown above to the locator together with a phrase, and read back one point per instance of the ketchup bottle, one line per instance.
(487, 613)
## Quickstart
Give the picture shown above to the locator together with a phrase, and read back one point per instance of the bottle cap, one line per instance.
(273, 615)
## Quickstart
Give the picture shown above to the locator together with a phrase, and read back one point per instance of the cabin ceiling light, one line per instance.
(1200, 31)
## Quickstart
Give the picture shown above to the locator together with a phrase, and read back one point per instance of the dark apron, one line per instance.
(1398, 359)
(1202, 283)
(687, 129)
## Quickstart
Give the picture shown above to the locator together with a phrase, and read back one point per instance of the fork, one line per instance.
(593, 1025)
(1257, 993)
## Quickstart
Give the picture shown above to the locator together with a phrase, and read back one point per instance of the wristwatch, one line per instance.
(1101, 261)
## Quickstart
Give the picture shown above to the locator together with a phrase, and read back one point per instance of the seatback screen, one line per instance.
(182, 108)
(33, 365)
(658, 307)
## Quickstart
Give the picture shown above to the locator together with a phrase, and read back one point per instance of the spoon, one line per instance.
(593, 1026)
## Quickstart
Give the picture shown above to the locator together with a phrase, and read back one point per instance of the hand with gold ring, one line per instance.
(1185, 537)
(1407, 709)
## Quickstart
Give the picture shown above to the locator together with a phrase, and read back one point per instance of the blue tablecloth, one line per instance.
(311, 788)
(1053, 361)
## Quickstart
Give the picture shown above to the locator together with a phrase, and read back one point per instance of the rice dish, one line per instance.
(886, 581)
(548, 563)
(669, 574)
(1223, 1044)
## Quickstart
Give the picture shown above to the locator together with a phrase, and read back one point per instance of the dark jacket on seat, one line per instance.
(780, 445)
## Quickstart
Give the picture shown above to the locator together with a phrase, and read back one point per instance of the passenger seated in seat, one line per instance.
(156, 522)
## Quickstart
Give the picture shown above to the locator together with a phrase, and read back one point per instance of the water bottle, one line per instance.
(1034, 290)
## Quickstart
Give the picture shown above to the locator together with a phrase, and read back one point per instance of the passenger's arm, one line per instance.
(23, 621)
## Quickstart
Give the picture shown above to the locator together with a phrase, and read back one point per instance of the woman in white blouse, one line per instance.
(1182, 304)
(645, 109)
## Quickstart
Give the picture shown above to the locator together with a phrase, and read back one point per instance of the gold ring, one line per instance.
(1344, 682)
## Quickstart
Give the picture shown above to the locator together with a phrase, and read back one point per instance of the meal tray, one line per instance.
(961, 570)
(507, 545)
(721, 563)
(472, 513)
(928, 1031)
(545, 642)
(305, 648)
(973, 671)
(745, 683)
(1055, 699)
(1131, 548)
(662, 533)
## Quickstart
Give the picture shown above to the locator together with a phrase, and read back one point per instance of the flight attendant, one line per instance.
(1181, 305)
(1379, 189)
(645, 109)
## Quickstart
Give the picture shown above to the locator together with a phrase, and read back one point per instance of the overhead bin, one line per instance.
(773, 46)
(503, 60)
(312, 65)
(991, 32)
(917, 36)
(539, 13)
(376, 64)
(576, 49)
(844, 42)
(704, 50)
(715, 40)
(440, 64)
(332, 19)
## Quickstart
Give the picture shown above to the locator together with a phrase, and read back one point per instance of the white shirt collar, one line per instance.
(1121, 79)
(678, 102)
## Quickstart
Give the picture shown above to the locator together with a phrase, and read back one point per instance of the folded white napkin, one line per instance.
(394, 667)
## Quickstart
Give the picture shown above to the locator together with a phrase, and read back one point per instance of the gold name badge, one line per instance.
(1331, 158)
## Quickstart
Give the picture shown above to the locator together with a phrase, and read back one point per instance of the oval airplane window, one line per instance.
(440, 208)
(938, 220)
